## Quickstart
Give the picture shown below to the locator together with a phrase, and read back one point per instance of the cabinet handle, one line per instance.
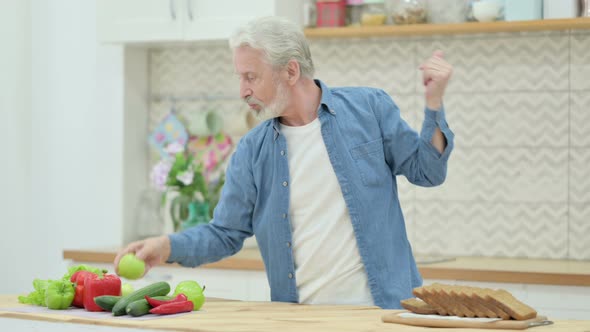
(172, 9)
(189, 7)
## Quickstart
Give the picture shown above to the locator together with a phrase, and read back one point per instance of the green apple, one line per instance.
(131, 267)
(193, 292)
(127, 289)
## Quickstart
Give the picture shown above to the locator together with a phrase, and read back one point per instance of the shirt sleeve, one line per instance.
(408, 153)
(232, 218)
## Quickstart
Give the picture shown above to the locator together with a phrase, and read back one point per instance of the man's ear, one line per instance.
(293, 72)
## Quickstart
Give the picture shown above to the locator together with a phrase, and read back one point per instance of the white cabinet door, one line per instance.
(131, 21)
(140, 20)
(218, 19)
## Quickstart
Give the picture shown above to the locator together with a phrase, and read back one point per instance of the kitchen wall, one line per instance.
(15, 133)
(518, 182)
(62, 128)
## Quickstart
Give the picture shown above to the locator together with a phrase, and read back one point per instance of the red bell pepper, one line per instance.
(156, 303)
(108, 284)
(78, 278)
(173, 308)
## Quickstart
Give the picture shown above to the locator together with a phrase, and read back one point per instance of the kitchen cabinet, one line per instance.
(558, 289)
(133, 21)
(241, 285)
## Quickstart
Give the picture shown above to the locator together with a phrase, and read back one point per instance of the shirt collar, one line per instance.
(326, 104)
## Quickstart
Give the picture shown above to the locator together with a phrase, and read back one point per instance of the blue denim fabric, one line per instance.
(368, 145)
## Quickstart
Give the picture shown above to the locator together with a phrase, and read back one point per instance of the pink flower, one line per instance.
(174, 148)
(159, 174)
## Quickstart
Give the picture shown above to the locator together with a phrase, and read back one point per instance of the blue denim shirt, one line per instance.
(368, 145)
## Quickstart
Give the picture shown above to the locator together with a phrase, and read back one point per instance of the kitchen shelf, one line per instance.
(449, 29)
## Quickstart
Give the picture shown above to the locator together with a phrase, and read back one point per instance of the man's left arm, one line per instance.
(436, 73)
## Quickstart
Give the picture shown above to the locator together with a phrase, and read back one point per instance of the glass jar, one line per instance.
(408, 11)
(374, 13)
(309, 14)
(354, 12)
(447, 11)
(585, 8)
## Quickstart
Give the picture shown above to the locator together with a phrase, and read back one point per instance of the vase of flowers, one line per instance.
(195, 197)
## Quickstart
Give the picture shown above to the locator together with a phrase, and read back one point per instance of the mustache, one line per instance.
(254, 101)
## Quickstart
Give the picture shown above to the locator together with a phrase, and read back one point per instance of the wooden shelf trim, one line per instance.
(514, 277)
(449, 29)
(105, 257)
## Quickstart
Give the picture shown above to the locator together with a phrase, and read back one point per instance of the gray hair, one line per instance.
(280, 39)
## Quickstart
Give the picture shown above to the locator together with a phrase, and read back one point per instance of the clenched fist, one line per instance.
(436, 73)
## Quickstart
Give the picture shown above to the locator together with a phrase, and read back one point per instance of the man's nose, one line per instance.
(245, 91)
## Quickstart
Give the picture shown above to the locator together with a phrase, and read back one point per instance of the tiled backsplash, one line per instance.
(518, 182)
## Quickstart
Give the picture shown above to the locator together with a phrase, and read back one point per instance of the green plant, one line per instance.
(180, 173)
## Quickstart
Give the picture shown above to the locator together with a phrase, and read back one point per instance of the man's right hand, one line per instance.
(153, 251)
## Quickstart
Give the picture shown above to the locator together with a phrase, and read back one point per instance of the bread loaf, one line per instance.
(465, 301)
(418, 306)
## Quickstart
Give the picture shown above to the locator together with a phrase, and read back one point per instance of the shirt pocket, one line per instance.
(370, 161)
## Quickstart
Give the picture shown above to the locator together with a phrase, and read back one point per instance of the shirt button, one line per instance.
(285, 184)
(282, 152)
(284, 216)
(290, 275)
(288, 244)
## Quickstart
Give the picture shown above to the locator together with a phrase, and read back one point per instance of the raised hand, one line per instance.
(436, 73)
(152, 251)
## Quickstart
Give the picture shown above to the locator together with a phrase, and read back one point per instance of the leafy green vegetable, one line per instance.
(36, 297)
(82, 267)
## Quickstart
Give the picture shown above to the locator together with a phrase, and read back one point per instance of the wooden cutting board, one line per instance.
(433, 322)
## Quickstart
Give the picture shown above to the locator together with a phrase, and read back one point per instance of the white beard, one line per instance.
(275, 108)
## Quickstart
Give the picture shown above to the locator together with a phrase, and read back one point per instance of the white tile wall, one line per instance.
(580, 61)
(519, 103)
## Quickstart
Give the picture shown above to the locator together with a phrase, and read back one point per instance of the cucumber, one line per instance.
(106, 302)
(159, 288)
(142, 307)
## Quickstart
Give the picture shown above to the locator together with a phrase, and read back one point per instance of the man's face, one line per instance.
(260, 86)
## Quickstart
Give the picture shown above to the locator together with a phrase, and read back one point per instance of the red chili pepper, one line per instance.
(108, 284)
(173, 308)
(156, 303)
(78, 278)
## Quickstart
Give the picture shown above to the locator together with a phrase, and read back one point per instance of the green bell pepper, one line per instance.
(59, 294)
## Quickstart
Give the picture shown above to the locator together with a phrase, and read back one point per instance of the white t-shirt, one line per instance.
(328, 266)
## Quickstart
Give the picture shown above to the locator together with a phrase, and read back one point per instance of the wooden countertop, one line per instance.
(485, 269)
(261, 316)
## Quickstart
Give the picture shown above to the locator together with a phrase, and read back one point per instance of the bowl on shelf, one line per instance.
(486, 11)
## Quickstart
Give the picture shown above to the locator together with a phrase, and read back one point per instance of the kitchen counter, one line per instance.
(484, 269)
(249, 316)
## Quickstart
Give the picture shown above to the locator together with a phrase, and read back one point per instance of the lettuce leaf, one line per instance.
(36, 297)
(82, 267)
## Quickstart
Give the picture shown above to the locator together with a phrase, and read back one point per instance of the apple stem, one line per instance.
(203, 288)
